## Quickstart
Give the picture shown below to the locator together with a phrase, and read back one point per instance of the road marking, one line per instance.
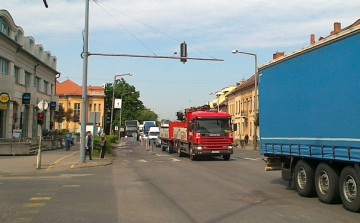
(73, 165)
(40, 199)
(143, 161)
(71, 186)
(175, 160)
(33, 205)
(16, 220)
(28, 211)
(51, 165)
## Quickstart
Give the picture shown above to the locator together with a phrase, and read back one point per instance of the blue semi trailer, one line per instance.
(309, 118)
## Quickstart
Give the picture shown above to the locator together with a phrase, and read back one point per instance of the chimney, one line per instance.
(337, 28)
(312, 39)
(277, 55)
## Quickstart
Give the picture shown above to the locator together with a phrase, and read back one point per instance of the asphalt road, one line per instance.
(141, 187)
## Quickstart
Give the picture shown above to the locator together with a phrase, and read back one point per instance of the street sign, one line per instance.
(53, 105)
(117, 103)
(43, 105)
(26, 98)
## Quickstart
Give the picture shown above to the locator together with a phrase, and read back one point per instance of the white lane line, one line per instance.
(143, 161)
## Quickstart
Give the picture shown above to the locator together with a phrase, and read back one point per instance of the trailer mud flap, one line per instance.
(272, 163)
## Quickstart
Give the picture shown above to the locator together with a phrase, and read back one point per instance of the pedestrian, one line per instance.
(67, 139)
(246, 139)
(102, 145)
(99, 133)
(88, 144)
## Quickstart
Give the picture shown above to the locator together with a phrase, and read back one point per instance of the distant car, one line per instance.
(158, 142)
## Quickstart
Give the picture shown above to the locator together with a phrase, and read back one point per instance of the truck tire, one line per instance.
(163, 148)
(178, 150)
(192, 156)
(305, 179)
(349, 189)
(327, 183)
(170, 147)
(226, 157)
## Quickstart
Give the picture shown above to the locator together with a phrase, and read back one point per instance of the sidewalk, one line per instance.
(51, 160)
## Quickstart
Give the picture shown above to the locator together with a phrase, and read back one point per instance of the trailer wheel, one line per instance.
(349, 189)
(178, 150)
(192, 156)
(170, 148)
(305, 179)
(163, 148)
(226, 157)
(327, 183)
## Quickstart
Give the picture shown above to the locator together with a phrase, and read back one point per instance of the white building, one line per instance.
(27, 75)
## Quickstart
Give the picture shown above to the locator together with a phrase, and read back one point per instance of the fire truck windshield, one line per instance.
(213, 126)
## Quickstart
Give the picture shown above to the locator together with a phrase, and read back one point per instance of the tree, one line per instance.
(69, 116)
(132, 107)
(59, 115)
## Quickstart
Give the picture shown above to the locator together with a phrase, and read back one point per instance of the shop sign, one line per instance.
(4, 98)
(26, 98)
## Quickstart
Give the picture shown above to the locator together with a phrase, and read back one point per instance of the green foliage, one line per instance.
(60, 115)
(132, 107)
(109, 139)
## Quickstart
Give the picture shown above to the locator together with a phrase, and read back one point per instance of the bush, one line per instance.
(109, 139)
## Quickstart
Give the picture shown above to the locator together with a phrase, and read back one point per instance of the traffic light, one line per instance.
(183, 51)
(40, 118)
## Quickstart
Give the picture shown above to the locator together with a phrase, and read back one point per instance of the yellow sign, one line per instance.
(3, 106)
(4, 98)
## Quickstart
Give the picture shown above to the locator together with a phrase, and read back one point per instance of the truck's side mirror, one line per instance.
(234, 127)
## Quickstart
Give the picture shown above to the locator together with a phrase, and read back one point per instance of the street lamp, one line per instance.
(112, 106)
(120, 112)
(217, 95)
(256, 90)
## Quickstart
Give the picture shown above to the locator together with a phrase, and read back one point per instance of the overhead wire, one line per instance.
(171, 37)
(97, 2)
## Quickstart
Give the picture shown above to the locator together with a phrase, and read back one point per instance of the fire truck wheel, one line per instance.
(192, 156)
(178, 150)
(163, 148)
(170, 148)
(226, 157)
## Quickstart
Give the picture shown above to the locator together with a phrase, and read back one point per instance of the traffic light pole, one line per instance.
(38, 160)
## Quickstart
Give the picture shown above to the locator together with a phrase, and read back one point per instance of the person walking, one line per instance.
(102, 145)
(67, 139)
(246, 139)
(88, 144)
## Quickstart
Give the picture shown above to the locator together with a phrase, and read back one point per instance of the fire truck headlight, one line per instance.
(230, 147)
(199, 148)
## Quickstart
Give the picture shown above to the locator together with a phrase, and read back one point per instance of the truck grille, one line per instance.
(215, 142)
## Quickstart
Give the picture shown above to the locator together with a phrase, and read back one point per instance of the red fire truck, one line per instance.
(200, 131)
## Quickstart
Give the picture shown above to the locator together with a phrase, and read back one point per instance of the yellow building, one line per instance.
(70, 98)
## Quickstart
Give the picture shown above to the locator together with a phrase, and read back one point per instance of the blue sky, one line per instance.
(211, 28)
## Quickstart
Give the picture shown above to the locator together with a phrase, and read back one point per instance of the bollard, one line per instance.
(142, 141)
(152, 147)
(147, 144)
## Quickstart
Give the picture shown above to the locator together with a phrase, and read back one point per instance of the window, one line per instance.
(27, 78)
(94, 107)
(17, 74)
(51, 89)
(37, 83)
(61, 105)
(4, 27)
(90, 107)
(99, 107)
(46, 86)
(4, 66)
(77, 109)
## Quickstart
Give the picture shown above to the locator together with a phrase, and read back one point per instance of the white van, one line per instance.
(153, 134)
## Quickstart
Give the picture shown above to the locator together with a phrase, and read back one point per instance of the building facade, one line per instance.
(27, 76)
(70, 97)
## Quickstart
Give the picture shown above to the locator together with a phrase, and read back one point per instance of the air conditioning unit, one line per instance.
(103, 86)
